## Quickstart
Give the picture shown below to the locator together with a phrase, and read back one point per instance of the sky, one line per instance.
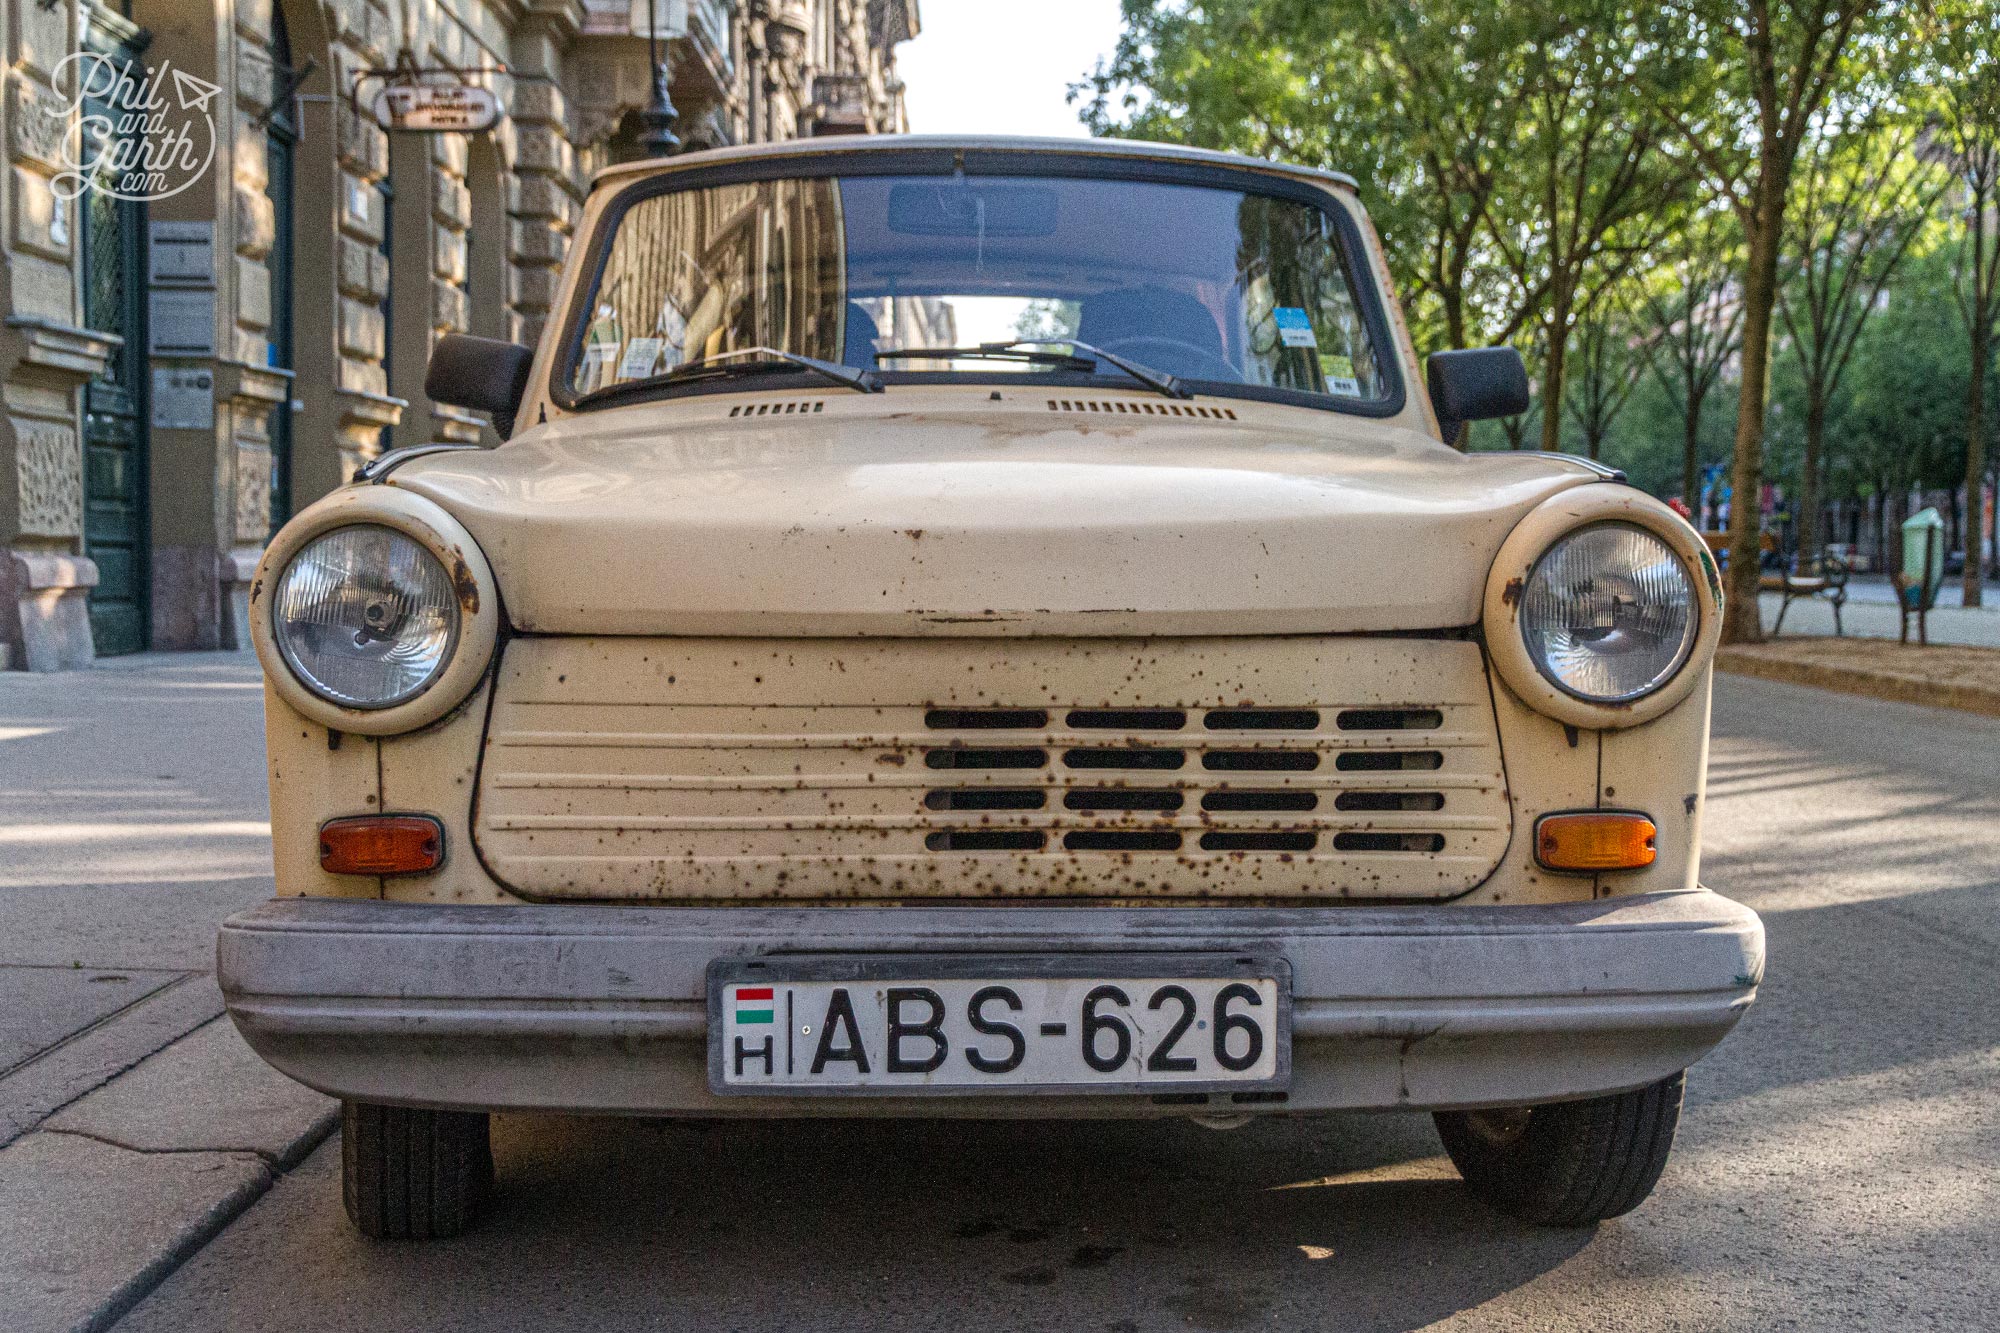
(1002, 66)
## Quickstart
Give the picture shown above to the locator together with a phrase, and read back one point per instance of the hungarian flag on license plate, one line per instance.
(754, 1004)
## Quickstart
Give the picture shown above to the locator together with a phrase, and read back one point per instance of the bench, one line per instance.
(1823, 576)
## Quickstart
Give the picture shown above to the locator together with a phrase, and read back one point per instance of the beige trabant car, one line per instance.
(987, 628)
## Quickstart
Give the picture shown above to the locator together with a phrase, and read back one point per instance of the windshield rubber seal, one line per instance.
(994, 162)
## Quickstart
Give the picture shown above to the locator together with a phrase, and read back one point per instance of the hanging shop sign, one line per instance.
(436, 108)
(428, 99)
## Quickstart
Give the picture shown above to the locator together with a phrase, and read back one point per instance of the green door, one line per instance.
(114, 433)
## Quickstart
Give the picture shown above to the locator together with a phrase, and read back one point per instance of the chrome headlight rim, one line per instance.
(1682, 652)
(286, 649)
(423, 521)
(1562, 515)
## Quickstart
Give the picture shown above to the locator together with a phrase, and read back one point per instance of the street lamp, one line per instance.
(657, 120)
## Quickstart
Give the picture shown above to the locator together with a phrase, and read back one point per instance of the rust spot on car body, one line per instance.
(466, 586)
(1511, 594)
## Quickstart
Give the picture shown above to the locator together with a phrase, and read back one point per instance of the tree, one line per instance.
(1745, 79)
(1964, 37)
(1609, 367)
(1423, 113)
(1900, 406)
(1596, 196)
(1864, 195)
(1695, 325)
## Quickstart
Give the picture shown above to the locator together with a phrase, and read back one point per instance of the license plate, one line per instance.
(932, 1025)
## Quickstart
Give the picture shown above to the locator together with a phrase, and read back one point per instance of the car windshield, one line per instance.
(1228, 290)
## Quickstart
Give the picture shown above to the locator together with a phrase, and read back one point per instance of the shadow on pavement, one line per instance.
(1349, 1220)
(1345, 1222)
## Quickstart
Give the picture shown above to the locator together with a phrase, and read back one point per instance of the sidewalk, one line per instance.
(1868, 616)
(1877, 588)
(134, 1123)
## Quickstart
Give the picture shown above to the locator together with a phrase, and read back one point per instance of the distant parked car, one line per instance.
(987, 628)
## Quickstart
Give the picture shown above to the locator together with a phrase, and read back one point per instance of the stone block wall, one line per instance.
(475, 228)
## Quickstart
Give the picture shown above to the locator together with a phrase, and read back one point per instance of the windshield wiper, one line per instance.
(772, 358)
(988, 352)
(747, 361)
(1081, 356)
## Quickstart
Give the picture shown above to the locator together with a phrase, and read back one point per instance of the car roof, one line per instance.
(849, 144)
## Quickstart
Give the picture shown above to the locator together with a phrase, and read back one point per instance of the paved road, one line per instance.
(1836, 1168)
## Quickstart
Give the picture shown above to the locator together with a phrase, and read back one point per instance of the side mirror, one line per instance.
(1477, 384)
(481, 375)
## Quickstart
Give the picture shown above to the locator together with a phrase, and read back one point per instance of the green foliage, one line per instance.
(1900, 419)
(1517, 156)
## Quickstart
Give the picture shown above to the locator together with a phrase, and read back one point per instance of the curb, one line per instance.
(1853, 680)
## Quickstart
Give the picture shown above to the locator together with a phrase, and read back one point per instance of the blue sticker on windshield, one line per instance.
(1294, 327)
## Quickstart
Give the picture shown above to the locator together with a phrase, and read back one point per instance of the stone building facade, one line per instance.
(190, 357)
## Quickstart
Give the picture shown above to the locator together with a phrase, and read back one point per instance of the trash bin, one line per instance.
(1923, 557)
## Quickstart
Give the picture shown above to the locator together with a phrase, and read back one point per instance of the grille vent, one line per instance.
(1173, 780)
(1140, 408)
(789, 407)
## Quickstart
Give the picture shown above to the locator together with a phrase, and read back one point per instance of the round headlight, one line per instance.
(365, 616)
(1609, 613)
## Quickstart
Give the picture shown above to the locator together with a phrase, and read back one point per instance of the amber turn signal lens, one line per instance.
(381, 845)
(1596, 840)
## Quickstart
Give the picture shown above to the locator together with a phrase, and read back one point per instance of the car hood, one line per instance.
(848, 516)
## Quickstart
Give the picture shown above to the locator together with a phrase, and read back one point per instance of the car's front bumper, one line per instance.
(601, 1009)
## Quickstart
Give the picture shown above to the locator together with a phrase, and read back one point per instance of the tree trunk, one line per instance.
(1898, 509)
(1975, 458)
(1740, 620)
(1552, 376)
(1691, 453)
(1878, 515)
(1808, 523)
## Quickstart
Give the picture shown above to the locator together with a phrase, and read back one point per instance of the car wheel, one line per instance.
(407, 1174)
(1567, 1164)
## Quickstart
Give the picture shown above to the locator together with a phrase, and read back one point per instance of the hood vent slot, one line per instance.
(1139, 408)
(784, 407)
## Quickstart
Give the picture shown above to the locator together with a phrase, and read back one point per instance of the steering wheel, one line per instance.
(1183, 359)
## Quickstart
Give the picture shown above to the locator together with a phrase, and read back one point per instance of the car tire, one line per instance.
(407, 1174)
(1567, 1164)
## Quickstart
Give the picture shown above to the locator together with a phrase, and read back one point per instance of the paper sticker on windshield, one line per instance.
(641, 356)
(1294, 327)
(1339, 372)
(597, 357)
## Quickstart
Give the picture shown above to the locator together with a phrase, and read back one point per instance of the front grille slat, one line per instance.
(1137, 758)
(1136, 840)
(986, 798)
(1123, 798)
(1260, 800)
(982, 758)
(1260, 761)
(1126, 719)
(986, 840)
